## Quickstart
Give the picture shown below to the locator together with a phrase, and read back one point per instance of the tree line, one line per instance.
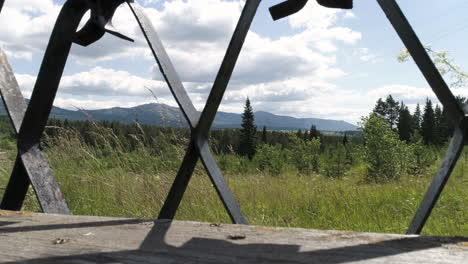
(382, 148)
(431, 124)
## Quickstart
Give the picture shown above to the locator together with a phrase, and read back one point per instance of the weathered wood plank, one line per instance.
(41, 238)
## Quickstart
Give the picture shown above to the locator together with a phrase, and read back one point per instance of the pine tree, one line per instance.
(388, 109)
(264, 135)
(404, 123)
(313, 133)
(393, 110)
(450, 123)
(461, 100)
(428, 123)
(345, 139)
(380, 108)
(305, 135)
(441, 125)
(299, 134)
(248, 131)
(417, 118)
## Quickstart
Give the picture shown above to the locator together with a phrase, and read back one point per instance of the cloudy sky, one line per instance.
(323, 63)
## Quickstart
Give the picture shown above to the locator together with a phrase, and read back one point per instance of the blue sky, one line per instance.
(323, 63)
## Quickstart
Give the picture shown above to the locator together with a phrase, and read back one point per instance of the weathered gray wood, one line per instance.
(40, 238)
(11, 94)
(29, 167)
(15, 105)
(47, 190)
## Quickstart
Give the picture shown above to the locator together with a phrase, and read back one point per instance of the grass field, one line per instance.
(106, 182)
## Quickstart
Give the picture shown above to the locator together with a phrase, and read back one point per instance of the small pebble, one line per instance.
(236, 236)
(60, 241)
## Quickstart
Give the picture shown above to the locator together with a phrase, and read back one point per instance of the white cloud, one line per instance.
(150, 2)
(403, 92)
(349, 14)
(293, 74)
(365, 55)
(29, 24)
(101, 81)
(301, 97)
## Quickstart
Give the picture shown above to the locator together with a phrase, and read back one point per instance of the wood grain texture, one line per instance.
(40, 238)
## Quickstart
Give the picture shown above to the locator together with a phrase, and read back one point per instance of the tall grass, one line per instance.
(104, 180)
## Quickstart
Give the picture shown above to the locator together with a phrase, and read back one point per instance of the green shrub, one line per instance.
(305, 154)
(270, 159)
(423, 156)
(335, 162)
(7, 143)
(387, 157)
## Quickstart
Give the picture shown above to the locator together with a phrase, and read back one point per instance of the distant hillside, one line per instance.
(164, 115)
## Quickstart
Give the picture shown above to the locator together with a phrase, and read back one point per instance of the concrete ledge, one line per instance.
(41, 238)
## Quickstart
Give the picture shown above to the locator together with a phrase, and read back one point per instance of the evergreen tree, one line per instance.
(264, 135)
(313, 133)
(417, 118)
(404, 123)
(299, 134)
(441, 125)
(247, 143)
(380, 108)
(461, 101)
(305, 135)
(428, 123)
(393, 110)
(345, 139)
(388, 109)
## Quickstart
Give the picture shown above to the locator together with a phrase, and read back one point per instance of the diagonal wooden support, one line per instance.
(32, 161)
(30, 123)
(31, 165)
(443, 174)
(214, 100)
(199, 125)
(445, 96)
(15, 107)
(28, 163)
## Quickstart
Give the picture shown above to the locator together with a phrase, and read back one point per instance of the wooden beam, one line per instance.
(41, 238)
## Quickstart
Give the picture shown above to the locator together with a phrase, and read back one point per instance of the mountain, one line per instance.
(164, 115)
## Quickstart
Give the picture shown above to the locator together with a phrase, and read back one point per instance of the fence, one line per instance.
(29, 121)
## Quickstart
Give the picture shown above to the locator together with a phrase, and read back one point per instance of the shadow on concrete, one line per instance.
(154, 249)
(5, 223)
(19, 229)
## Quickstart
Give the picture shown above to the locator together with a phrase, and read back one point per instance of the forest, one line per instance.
(368, 180)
